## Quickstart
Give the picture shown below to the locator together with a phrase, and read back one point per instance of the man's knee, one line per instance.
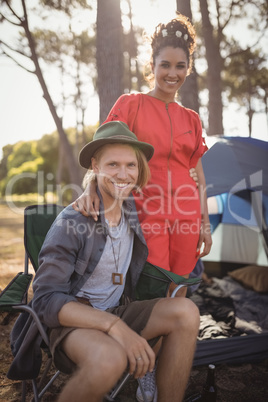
(182, 313)
(114, 359)
(191, 315)
(109, 360)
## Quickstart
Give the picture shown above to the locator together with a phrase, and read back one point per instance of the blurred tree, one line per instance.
(22, 166)
(84, 56)
(48, 149)
(25, 54)
(212, 40)
(217, 16)
(189, 90)
(6, 151)
(23, 151)
(109, 54)
(74, 55)
(246, 77)
(133, 78)
(36, 165)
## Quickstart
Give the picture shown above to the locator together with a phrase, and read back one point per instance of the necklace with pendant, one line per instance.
(117, 277)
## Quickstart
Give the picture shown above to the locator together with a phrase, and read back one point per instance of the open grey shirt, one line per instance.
(99, 289)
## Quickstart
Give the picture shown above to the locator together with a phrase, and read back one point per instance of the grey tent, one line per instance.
(237, 170)
(238, 167)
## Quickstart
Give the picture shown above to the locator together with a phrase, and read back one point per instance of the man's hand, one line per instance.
(140, 355)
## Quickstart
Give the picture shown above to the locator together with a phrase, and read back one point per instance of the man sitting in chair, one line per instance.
(87, 268)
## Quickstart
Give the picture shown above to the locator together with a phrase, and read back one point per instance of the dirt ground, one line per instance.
(235, 383)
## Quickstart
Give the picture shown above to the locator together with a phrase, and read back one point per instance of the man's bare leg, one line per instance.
(178, 320)
(100, 360)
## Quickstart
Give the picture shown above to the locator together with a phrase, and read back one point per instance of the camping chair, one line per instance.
(14, 298)
(154, 282)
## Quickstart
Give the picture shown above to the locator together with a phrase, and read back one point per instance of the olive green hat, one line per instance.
(113, 132)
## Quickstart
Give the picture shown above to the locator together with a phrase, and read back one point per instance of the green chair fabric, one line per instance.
(37, 222)
(155, 282)
(15, 293)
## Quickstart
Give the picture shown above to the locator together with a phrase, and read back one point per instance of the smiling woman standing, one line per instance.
(172, 210)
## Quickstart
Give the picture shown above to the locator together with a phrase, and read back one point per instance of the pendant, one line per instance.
(117, 278)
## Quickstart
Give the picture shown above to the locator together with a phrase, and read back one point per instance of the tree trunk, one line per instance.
(189, 90)
(109, 54)
(214, 62)
(73, 168)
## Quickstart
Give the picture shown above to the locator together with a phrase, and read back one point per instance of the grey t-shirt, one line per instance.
(116, 257)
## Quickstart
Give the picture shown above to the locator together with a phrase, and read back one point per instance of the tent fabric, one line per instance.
(236, 160)
(235, 233)
(237, 244)
(236, 171)
(236, 350)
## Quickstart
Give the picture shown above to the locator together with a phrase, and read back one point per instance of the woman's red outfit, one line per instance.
(169, 206)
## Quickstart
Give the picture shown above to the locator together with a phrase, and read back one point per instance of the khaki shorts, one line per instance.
(135, 314)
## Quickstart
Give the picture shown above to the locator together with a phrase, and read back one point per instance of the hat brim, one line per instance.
(89, 150)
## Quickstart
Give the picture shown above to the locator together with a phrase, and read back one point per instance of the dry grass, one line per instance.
(11, 243)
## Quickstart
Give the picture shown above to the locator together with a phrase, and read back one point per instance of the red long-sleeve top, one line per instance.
(176, 135)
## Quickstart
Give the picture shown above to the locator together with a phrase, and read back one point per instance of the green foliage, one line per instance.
(246, 77)
(246, 80)
(26, 166)
(6, 150)
(22, 164)
(67, 6)
(53, 46)
(48, 147)
(22, 152)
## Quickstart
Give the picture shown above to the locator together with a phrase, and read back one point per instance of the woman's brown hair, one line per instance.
(179, 32)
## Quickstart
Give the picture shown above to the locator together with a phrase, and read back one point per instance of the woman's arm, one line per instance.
(88, 203)
(205, 233)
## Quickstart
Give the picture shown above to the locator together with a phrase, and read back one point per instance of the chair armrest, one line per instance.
(30, 310)
(15, 293)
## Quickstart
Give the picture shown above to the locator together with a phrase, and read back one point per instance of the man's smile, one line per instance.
(120, 185)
